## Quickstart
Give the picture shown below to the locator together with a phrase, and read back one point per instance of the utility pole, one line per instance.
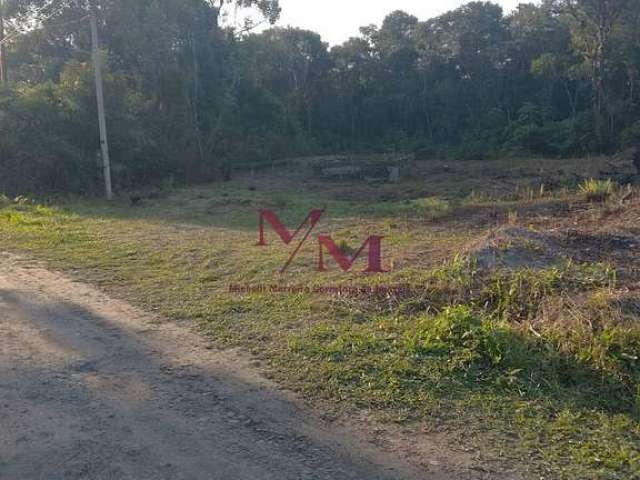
(104, 143)
(3, 56)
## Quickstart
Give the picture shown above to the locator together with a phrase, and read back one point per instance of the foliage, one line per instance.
(630, 136)
(191, 97)
(596, 190)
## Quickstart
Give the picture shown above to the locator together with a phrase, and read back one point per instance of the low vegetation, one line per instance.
(533, 357)
(596, 190)
(509, 314)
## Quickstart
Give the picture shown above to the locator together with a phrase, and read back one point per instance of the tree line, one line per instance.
(190, 99)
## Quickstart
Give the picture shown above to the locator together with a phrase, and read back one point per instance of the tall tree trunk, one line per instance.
(573, 102)
(196, 97)
(595, 22)
(598, 70)
(426, 109)
(3, 55)
(632, 73)
(308, 104)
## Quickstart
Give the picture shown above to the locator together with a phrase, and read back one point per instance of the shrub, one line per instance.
(555, 138)
(473, 149)
(630, 136)
(425, 151)
(465, 338)
(593, 190)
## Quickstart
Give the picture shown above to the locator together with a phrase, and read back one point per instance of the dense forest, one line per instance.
(189, 98)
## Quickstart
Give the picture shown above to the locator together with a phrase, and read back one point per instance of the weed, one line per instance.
(593, 190)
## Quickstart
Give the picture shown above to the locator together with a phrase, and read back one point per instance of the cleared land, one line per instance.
(91, 388)
(516, 347)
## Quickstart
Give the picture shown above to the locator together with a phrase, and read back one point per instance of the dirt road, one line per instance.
(92, 389)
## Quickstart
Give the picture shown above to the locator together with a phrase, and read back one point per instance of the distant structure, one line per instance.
(394, 174)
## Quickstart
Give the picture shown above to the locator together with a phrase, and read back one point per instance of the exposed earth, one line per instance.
(91, 388)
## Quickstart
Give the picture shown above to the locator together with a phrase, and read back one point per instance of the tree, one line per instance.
(592, 24)
(191, 95)
(3, 57)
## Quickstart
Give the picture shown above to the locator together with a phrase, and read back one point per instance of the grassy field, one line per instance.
(533, 359)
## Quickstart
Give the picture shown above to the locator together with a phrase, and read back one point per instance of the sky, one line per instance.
(337, 20)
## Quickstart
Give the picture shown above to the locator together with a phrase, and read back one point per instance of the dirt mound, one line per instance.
(517, 247)
(601, 242)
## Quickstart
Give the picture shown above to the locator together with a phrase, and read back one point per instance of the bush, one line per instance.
(473, 149)
(41, 148)
(553, 139)
(630, 136)
(593, 190)
(424, 151)
(465, 338)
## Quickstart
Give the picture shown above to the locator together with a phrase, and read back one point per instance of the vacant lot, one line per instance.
(516, 333)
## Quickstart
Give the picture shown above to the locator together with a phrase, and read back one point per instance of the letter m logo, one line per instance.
(375, 247)
(285, 235)
(373, 243)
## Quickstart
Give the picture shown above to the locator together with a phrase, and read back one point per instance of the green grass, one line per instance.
(468, 349)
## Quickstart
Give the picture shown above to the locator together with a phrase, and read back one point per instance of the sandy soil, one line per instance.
(91, 388)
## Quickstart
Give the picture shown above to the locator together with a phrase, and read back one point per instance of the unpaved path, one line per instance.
(91, 388)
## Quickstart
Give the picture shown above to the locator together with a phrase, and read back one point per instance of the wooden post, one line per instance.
(102, 122)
